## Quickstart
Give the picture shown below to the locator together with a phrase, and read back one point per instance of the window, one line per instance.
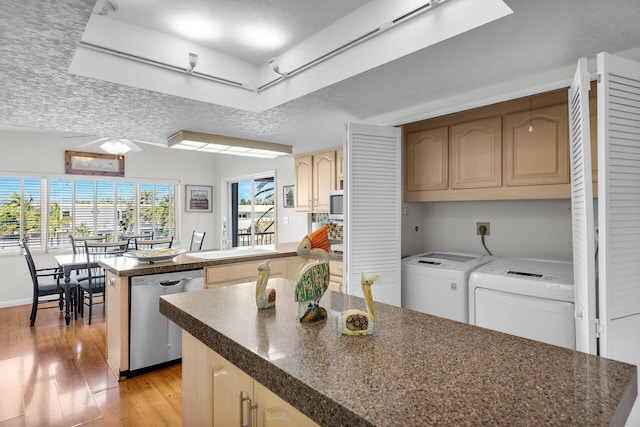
(82, 207)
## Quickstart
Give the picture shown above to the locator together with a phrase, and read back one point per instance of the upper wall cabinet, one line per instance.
(315, 177)
(426, 159)
(488, 153)
(476, 154)
(537, 147)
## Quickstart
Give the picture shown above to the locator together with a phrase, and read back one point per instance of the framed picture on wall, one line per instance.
(81, 163)
(287, 196)
(198, 198)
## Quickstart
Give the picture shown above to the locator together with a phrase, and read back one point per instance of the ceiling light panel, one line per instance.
(195, 27)
(262, 37)
(227, 145)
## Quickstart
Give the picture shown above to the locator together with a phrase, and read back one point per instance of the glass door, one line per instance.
(253, 211)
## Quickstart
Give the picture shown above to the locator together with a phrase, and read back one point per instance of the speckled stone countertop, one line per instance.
(415, 370)
(128, 266)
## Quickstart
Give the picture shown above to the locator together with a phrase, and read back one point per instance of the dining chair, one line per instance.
(135, 237)
(46, 283)
(196, 240)
(154, 244)
(77, 245)
(94, 287)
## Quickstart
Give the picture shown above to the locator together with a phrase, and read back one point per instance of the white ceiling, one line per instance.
(228, 21)
(533, 48)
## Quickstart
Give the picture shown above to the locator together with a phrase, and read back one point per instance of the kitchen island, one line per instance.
(220, 268)
(416, 369)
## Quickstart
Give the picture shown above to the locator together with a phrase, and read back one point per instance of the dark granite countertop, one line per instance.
(415, 370)
(128, 266)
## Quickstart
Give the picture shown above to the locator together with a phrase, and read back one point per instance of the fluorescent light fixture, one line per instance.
(197, 141)
(115, 146)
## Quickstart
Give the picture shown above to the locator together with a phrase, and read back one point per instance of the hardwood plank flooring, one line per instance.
(57, 375)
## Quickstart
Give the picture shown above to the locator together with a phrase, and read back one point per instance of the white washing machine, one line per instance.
(531, 298)
(437, 283)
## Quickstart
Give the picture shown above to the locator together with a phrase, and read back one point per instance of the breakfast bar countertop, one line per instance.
(128, 266)
(416, 369)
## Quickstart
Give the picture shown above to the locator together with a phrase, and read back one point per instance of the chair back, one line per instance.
(77, 242)
(142, 236)
(30, 263)
(100, 250)
(154, 244)
(196, 240)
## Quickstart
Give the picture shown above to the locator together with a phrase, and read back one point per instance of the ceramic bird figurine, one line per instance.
(357, 322)
(265, 297)
(313, 277)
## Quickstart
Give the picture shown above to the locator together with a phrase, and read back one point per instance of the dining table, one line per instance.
(69, 263)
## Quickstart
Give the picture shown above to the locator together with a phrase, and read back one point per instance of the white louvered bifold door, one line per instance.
(619, 207)
(373, 203)
(584, 275)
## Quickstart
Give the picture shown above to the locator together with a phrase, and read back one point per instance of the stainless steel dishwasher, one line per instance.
(154, 339)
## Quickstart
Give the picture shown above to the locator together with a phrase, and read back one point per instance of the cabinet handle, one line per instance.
(251, 408)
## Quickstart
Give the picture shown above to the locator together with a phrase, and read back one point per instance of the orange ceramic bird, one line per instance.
(313, 276)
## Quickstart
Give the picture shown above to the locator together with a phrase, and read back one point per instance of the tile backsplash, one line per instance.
(336, 230)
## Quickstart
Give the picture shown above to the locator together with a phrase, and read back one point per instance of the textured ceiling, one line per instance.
(38, 40)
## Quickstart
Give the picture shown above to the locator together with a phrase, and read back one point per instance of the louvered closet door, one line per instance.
(373, 203)
(619, 208)
(582, 211)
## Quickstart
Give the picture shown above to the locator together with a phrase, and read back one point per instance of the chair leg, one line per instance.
(34, 311)
(90, 305)
(61, 301)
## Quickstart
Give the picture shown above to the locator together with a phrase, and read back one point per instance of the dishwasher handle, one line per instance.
(169, 283)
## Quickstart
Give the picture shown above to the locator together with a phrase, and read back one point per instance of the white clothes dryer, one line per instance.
(527, 297)
(437, 283)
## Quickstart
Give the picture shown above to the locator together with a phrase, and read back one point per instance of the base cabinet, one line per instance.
(240, 272)
(217, 393)
(335, 275)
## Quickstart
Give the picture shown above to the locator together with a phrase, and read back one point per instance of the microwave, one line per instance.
(336, 205)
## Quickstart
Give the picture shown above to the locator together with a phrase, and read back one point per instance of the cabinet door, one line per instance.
(275, 412)
(304, 183)
(228, 383)
(240, 272)
(324, 179)
(427, 159)
(476, 154)
(339, 169)
(540, 156)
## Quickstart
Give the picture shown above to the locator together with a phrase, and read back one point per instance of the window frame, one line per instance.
(43, 243)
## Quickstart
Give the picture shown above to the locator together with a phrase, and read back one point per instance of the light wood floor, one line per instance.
(56, 375)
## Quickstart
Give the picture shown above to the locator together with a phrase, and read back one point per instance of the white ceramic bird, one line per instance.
(265, 297)
(358, 322)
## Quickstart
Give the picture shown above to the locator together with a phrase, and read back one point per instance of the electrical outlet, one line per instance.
(487, 227)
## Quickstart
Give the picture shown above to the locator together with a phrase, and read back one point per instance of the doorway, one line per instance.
(252, 210)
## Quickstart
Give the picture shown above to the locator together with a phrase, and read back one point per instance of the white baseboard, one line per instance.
(13, 303)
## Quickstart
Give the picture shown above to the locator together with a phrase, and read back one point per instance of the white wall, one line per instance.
(535, 228)
(25, 152)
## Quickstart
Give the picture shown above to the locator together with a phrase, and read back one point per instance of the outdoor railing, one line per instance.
(244, 239)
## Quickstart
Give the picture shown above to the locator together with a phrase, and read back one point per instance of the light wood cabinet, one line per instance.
(241, 272)
(335, 275)
(324, 179)
(476, 154)
(117, 323)
(316, 176)
(427, 159)
(340, 169)
(211, 387)
(488, 153)
(539, 154)
(304, 183)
